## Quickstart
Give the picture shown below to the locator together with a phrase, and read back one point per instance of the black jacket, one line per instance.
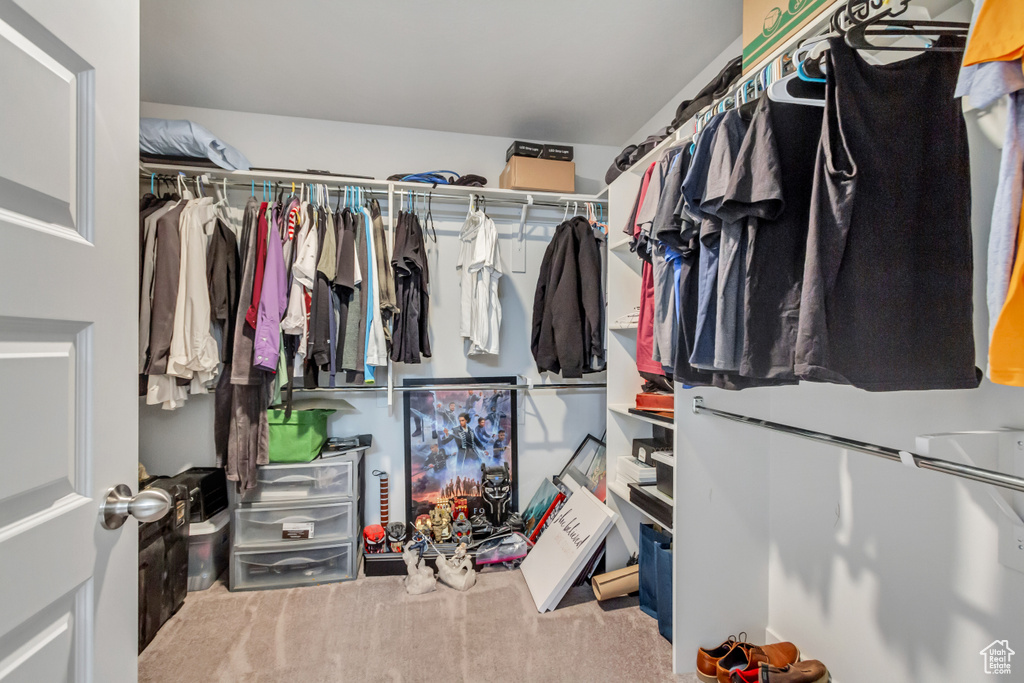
(567, 316)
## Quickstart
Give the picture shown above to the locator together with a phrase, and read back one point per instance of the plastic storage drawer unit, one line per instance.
(209, 548)
(301, 482)
(274, 524)
(292, 566)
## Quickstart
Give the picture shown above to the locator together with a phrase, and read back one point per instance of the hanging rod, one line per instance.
(457, 387)
(956, 469)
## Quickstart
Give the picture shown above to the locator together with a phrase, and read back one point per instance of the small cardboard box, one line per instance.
(768, 23)
(542, 175)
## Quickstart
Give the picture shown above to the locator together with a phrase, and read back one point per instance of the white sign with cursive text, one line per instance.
(565, 547)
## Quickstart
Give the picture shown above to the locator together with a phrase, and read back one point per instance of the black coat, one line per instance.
(567, 315)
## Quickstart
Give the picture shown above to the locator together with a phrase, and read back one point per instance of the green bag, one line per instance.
(300, 437)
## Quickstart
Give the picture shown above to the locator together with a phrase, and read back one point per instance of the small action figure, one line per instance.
(441, 524)
(458, 571)
(373, 539)
(462, 530)
(397, 533)
(423, 525)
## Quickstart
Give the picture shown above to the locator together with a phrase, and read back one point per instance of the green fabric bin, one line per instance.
(300, 437)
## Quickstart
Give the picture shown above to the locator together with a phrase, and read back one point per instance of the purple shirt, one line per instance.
(273, 303)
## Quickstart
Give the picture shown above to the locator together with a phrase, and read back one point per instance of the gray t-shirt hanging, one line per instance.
(732, 256)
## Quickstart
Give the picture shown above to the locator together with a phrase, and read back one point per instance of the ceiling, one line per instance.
(576, 71)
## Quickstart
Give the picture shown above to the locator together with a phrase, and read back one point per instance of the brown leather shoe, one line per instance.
(781, 654)
(743, 658)
(707, 658)
(811, 671)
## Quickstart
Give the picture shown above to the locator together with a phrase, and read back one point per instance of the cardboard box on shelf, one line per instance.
(542, 175)
(768, 23)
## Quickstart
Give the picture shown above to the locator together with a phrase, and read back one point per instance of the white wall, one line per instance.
(668, 112)
(882, 572)
(368, 150)
(554, 422)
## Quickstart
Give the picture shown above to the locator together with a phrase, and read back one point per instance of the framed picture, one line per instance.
(449, 435)
(588, 466)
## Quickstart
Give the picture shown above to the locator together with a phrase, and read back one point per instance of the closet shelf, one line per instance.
(621, 244)
(624, 328)
(458, 191)
(622, 493)
(623, 409)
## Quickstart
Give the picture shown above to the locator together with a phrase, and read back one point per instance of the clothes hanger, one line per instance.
(794, 89)
(868, 18)
(430, 218)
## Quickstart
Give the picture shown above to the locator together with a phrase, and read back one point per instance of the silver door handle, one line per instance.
(148, 505)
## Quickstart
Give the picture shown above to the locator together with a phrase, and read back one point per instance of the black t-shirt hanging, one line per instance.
(887, 293)
(771, 186)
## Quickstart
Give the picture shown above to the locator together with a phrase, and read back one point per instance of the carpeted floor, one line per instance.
(371, 630)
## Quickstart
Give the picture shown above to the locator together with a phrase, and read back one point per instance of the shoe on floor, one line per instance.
(707, 658)
(745, 659)
(811, 671)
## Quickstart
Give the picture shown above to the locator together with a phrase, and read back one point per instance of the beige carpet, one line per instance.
(371, 630)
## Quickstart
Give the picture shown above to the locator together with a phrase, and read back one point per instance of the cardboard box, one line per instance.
(617, 583)
(767, 24)
(543, 175)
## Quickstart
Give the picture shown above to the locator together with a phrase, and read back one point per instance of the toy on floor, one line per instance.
(509, 550)
(421, 577)
(423, 525)
(458, 571)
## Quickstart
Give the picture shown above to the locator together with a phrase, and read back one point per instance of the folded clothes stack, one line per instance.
(738, 661)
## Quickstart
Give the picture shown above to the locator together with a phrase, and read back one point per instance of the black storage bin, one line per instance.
(208, 491)
(163, 563)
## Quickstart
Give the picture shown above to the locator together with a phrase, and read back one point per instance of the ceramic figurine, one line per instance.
(421, 577)
(458, 571)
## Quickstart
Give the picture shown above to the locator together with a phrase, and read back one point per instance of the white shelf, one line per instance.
(621, 244)
(384, 185)
(621, 328)
(622, 492)
(623, 409)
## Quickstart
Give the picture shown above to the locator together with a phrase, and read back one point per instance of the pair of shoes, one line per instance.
(735, 655)
(811, 671)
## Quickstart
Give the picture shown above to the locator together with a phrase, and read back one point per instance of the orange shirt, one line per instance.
(1006, 351)
(998, 33)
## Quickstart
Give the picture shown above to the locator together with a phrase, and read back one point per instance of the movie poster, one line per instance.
(449, 435)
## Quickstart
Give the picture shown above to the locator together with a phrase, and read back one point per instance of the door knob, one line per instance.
(148, 505)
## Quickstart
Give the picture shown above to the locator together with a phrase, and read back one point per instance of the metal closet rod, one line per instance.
(382, 192)
(456, 387)
(955, 469)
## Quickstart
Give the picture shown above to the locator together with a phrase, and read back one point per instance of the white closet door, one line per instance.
(69, 101)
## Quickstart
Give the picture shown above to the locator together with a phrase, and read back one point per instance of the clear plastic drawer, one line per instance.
(277, 524)
(292, 566)
(305, 481)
